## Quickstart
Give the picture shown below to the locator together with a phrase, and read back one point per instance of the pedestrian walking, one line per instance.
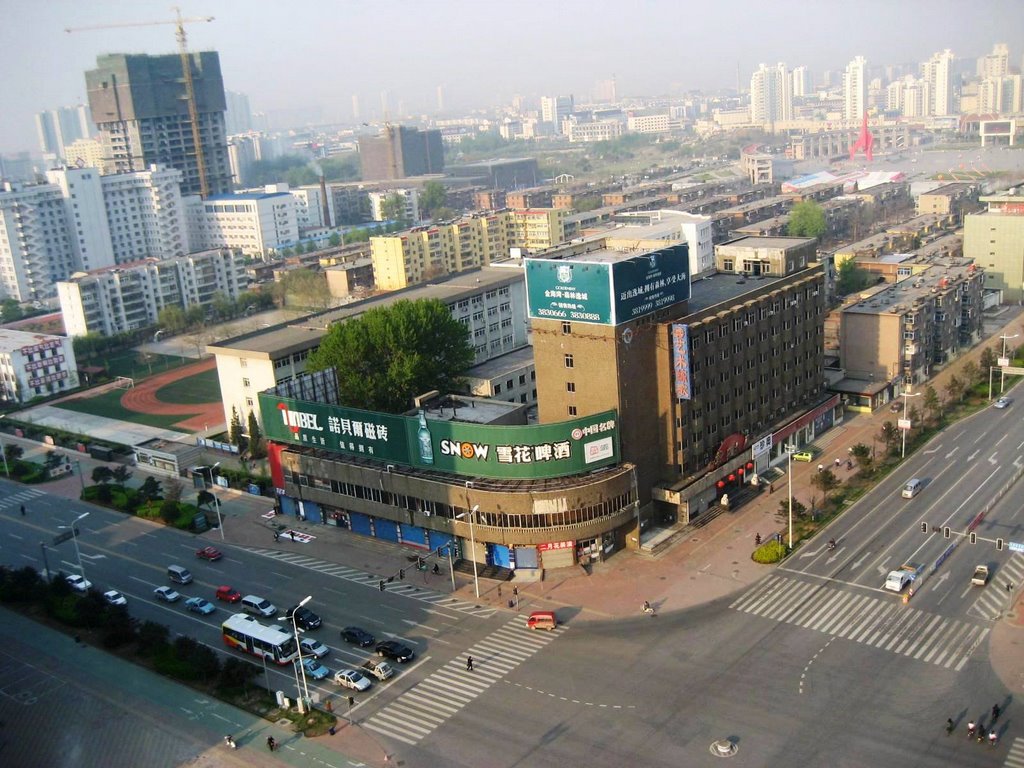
(469, 663)
(271, 744)
(1009, 587)
(821, 467)
(499, 590)
(22, 510)
(293, 535)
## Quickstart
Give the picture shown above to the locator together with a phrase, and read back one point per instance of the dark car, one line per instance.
(304, 618)
(357, 636)
(393, 649)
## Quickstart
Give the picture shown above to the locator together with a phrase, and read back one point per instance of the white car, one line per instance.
(166, 594)
(350, 678)
(113, 597)
(1002, 402)
(78, 583)
(310, 646)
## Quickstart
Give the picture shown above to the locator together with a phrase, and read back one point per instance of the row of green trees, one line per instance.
(248, 438)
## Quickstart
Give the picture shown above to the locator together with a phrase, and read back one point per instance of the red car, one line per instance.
(209, 553)
(228, 594)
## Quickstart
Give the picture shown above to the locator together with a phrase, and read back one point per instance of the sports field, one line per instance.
(185, 399)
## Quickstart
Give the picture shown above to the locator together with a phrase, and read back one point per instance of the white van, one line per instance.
(179, 574)
(912, 488)
(258, 606)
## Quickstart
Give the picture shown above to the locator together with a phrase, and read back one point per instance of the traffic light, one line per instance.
(380, 585)
(999, 544)
(946, 532)
(924, 527)
(401, 573)
(974, 537)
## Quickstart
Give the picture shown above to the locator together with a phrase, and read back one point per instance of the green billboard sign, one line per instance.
(476, 450)
(607, 291)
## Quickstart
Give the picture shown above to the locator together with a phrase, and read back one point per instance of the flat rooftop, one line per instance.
(902, 295)
(12, 341)
(306, 332)
(720, 287)
(497, 366)
(472, 410)
(756, 241)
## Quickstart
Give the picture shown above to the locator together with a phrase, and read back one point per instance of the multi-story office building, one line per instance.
(35, 365)
(35, 240)
(855, 90)
(490, 302)
(128, 297)
(771, 95)
(255, 223)
(428, 252)
(554, 111)
(400, 152)
(652, 122)
(904, 330)
(597, 130)
(994, 240)
(139, 103)
(938, 73)
(86, 153)
(58, 128)
(803, 82)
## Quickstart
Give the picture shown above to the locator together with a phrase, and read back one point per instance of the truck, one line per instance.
(897, 580)
(379, 669)
(980, 577)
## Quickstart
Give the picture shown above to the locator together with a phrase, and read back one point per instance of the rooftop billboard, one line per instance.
(475, 450)
(607, 292)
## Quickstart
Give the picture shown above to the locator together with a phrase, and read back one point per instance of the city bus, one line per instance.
(244, 633)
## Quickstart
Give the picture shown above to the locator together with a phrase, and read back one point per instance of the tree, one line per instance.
(53, 459)
(851, 277)
(862, 455)
(393, 209)
(799, 510)
(256, 447)
(433, 197)
(150, 489)
(972, 374)
(932, 404)
(955, 389)
(102, 475)
(121, 474)
(10, 311)
(388, 355)
(889, 435)
(334, 240)
(169, 511)
(308, 288)
(173, 490)
(825, 481)
(206, 498)
(989, 359)
(172, 319)
(806, 220)
(13, 452)
(237, 431)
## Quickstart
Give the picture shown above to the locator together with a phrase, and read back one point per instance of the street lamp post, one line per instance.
(1002, 368)
(789, 474)
(298, 648)
(74, 538)
(906, 396)
(472, 544)
(81, 480)
(3, 452)
(216, 500)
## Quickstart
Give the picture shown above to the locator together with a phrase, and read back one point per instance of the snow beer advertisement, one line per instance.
(607, 292)
(499, 451)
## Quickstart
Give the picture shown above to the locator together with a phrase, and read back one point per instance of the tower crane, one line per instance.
(186, 68)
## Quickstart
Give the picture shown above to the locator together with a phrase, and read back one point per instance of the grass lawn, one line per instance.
(201, 388)
(109, 404)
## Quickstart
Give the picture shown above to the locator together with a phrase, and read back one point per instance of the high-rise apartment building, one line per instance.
(803, 83)
(35, 240)
(255, 223)
(771, 94)
(139, 102)
(57, 128)
(938, 73)
(1000, 95)
(995, 64)
(855, 90)
(238, 117)
(555, 111)
(400, 152)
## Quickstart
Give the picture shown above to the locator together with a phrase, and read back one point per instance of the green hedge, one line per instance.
(769, 552)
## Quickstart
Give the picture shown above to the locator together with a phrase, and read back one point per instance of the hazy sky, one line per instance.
(317, 53)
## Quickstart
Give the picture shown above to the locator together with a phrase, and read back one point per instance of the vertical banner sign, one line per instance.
(681, 360)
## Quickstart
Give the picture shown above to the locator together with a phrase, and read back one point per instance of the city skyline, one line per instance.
(309, 56)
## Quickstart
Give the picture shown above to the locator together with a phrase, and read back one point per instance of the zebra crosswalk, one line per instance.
(430, 703)
(995, 598)
(881, 623)
(1015, 758)
(403, 588)
(23, 496)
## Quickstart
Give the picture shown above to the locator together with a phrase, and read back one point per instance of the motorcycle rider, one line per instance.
(949, 725)
(831, 544)
(971, 728)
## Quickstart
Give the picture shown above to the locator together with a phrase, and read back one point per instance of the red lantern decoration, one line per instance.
(750, 465)
(741, 471)
(732, 478)
(720, 484)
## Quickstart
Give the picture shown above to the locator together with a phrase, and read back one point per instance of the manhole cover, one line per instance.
(723, 748)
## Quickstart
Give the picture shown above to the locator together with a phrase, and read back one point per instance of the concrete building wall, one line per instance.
(996, 243)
